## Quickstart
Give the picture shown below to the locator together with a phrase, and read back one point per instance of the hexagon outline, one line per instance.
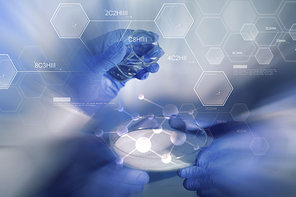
(282, 7)
(234, 118)
(18, 104)
(200, 79)
(56, 12)
(180, 111)
(223, 37)
(42, 90)
(160, 13)
(241, 31)
(213, 13)
(227, 55)
(257, 53)
(282, 53)
(266, 14)
(219, 48)
(223, 15)
(194, 109)
(193, 54)
(294, 32)
(253, 142)
(13, 66)
(273, 43)
(45, 58)
(41, 118)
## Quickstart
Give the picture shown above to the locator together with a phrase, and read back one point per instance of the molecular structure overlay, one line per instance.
(157, 143)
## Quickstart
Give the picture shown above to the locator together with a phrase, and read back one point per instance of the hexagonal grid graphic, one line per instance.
(237, 49)
(30, 56)
(249, 32)
(7, 71)
(259, 146)
(174, 20)
(188, 110)
(211, 6)
(266, 7)
(10, 100)
(215, 55)
(32, 85)
(238, 13)
(213, 88)
(240, 112)
(211, 31)
(287, 13)
(264, 55)
(55, 78)
(32, 112)
(69, 20)
(287, 48)
(292, 32)
(206, 119)
(269, 30)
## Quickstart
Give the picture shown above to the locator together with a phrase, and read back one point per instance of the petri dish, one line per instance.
(150, 143)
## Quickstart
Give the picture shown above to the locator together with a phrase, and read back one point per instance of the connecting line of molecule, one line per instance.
(143, 144)
(134, 116)
(176, 138)
(190, 112)
(99, 133)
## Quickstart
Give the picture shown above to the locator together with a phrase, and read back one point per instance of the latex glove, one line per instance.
(93, 85)
(229, 168)
(92, 171)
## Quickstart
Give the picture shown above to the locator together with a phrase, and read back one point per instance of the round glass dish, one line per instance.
(152, 143)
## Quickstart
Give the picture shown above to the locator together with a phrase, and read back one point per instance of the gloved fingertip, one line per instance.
(143, 178)
(142, 74)
(181, 173)
(145, 76)
(186, 184)
(153, 68)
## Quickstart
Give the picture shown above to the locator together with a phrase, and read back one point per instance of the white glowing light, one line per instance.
(150, 116)
(190, 112)
(196, 147)
(157, 129)
(141, 96)
(119, 161)
(166, 158)
(170, 110)
(178, 138)
(120, 109)
(122, 130)
(135, 116)
(99, 132)
(143, 144)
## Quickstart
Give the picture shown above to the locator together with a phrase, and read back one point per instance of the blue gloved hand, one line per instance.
(92, 84)
(229, 168)
(221, 165)
(90, 170)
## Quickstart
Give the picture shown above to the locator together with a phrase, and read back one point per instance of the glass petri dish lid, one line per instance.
(159, 143)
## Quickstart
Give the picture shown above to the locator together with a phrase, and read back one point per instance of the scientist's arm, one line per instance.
(232, 165)
(54, 159)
